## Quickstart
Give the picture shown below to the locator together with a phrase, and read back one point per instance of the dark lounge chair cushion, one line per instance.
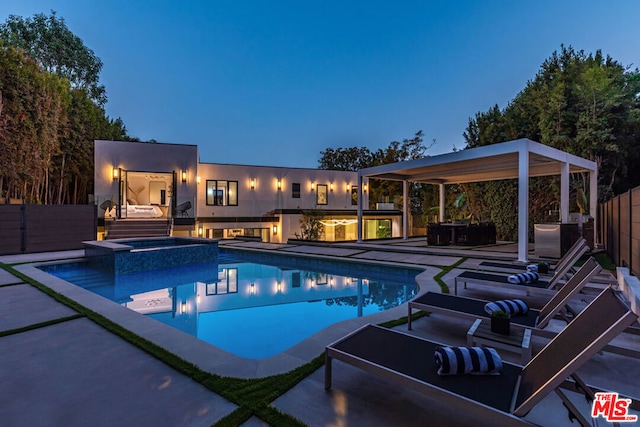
(468, 360)
(481, 277)
(510, 306)
(471, 306)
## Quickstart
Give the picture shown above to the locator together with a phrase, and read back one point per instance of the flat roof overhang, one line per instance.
(487, 163)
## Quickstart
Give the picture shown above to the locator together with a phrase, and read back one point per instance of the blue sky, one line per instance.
(276, 82)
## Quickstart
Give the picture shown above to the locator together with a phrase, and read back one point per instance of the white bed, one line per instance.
(136, 211)
(142, 211)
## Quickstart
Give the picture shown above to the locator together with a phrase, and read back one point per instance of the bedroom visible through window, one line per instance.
(222, 193)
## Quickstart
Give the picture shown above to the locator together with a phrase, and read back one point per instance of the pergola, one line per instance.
(519, 159)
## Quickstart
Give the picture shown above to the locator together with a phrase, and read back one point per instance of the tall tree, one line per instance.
(355, 158)
(49, 41)
(51, 111)
(585, 104)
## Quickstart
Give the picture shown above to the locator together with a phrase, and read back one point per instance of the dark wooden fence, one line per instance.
(41, 228)
(619, 229)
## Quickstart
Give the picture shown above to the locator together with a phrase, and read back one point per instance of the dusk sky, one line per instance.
(276, 82)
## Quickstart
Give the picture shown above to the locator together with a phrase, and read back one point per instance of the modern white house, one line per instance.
(167, 182)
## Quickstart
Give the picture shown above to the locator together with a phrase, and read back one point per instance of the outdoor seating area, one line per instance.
(461, 233)
(499, 399)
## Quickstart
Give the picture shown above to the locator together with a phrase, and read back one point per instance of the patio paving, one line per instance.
(77, 373)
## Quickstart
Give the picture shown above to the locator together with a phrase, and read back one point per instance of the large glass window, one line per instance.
(321, 194)
(222, 193)
(295, 190)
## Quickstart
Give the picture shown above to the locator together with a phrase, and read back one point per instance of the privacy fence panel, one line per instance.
(625, 229)
(620, 229)
(42, 228)
(10, 229)
(635, 231)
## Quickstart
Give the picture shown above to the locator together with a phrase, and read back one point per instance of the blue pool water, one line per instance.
(254, 306)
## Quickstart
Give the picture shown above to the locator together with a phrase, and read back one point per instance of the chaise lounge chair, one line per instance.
(502, 280)
(576, 250)
(473, 308)
(503, 399)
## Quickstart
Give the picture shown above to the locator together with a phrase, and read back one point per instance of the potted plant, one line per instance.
(500, 321)
(543, 268)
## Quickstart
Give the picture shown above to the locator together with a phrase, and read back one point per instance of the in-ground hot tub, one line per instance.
(125, 256)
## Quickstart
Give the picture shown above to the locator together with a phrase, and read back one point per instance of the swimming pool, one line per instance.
(252, 305)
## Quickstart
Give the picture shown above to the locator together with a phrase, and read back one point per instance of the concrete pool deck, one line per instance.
(76, 373)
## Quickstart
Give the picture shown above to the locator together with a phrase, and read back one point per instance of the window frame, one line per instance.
(215, 196)
(295, 192)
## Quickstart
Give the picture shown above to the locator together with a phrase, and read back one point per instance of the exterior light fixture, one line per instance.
(364, 188)
(183, 174)
(348, 188)
(331, 186)
(183, 307)
(252, 289)
(115, 173)
(279, 287)
(313, 186)
(198, 179)
(275, 230)
(252, 183)
(200, 231)
(279, 184)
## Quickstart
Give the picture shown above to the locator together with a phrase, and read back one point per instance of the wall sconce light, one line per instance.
(313, 186)
(279, 287)
(279, 184)
(198, 179)
(331, 186)
(252, 289)
(348, 188)
(364, 188)
(183, 307)
(275, 230)
(200, 231)
(252, 183)
(183, 174)
(115, 173)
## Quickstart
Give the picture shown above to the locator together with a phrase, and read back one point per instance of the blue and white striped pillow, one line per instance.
(511, 306)
(523, 278)
(467, 360)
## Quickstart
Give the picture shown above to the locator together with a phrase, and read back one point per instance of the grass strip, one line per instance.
(444, 270)
(40, 325)
(602, 258)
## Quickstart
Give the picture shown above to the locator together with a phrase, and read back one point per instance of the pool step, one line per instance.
(123, 229)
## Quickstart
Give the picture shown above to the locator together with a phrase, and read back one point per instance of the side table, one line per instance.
(519, 340)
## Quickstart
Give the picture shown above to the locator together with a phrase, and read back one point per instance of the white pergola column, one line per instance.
(405, 209)
(523, 204)
(441, 214)
(360, 202)
(564, 193)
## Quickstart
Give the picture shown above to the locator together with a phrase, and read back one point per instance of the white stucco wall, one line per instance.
(144, 157)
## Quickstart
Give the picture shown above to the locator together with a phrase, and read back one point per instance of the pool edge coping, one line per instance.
(213, 359)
